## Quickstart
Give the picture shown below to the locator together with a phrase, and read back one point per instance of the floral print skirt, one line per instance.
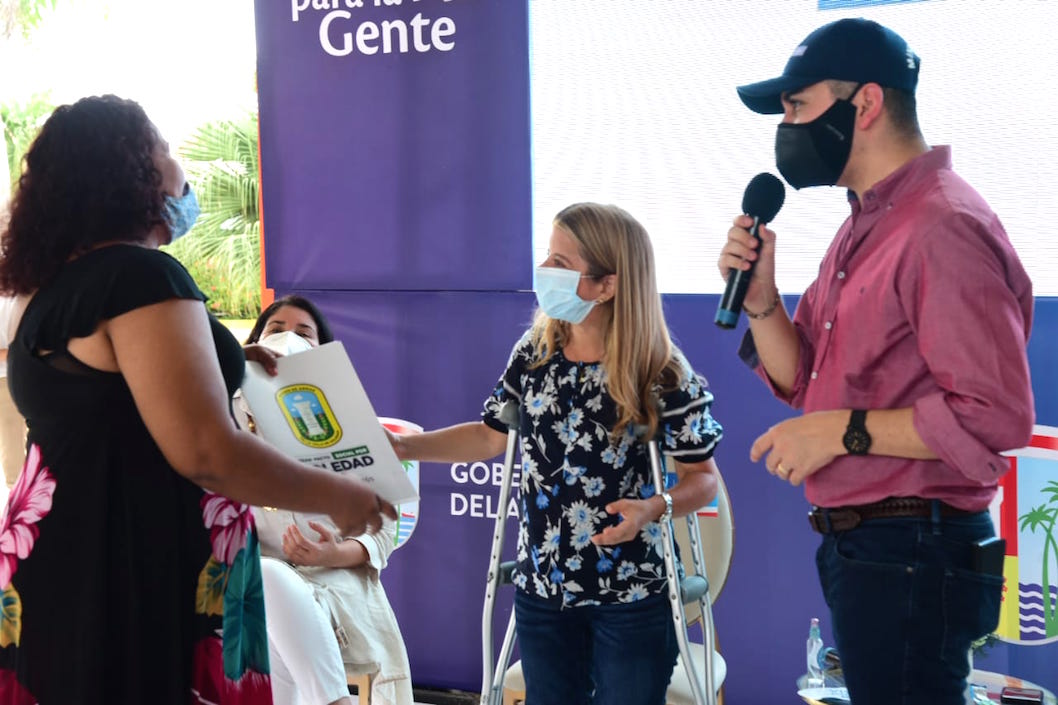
(152, 630)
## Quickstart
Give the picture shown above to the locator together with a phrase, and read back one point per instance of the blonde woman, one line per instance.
(594, 377)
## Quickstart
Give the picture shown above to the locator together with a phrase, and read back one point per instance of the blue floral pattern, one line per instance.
(573, 466)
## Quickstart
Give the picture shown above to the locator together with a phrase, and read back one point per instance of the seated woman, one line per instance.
(325, 606)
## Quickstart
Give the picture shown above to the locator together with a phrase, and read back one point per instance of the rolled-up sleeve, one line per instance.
(970, 303)
(379, 544)
(747, 352)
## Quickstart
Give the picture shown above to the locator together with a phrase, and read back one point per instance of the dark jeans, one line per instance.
(600, 654)
(905, 605)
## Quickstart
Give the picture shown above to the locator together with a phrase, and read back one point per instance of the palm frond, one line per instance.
(222, 251)
(1035, 518)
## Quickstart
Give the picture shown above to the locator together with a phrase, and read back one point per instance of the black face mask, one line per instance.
(815, 153)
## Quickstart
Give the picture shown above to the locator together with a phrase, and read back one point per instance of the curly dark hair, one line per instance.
(89, 178)
(323, 329)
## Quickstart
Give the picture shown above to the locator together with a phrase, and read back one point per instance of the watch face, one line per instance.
(857, 442)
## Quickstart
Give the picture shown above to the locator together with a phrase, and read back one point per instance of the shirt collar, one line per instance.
(905, 178)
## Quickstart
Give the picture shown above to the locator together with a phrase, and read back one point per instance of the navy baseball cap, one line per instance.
(855, 50)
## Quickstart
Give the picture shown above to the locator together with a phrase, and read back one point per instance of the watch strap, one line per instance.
(857, 440)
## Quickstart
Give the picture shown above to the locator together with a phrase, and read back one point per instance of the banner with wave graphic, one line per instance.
(1025, 512)
(407, 512)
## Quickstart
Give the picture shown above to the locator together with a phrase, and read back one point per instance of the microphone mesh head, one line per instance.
(763, 197)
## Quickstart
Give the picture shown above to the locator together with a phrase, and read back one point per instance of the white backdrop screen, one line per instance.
(634, 103)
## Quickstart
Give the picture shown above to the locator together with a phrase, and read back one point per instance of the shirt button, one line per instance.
(814, 375)
(841, 275)
(828, 325)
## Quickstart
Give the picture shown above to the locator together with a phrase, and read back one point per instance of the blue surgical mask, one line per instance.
(556, 292)
(181, 213)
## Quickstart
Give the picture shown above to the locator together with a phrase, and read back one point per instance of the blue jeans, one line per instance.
(597, 654)
(905, 604)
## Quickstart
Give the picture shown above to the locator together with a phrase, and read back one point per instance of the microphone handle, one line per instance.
(737, 283)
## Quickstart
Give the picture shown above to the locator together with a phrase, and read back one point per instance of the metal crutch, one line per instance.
(492, 676)
(691, 588)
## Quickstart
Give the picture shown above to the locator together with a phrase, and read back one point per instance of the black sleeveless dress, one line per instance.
(122, 581)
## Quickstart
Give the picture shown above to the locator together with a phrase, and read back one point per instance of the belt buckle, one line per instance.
(830, 521)
(817, 522)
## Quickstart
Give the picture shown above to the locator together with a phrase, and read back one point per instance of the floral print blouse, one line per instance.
(573, 466)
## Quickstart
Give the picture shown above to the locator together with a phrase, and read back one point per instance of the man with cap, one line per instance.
(907, 356)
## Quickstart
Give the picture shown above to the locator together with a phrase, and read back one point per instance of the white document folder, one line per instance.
(316, 411)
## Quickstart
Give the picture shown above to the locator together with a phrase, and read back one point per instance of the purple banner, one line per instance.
(396, 190)
(395, 144)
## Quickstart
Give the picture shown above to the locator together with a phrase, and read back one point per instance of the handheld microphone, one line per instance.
(762, 200)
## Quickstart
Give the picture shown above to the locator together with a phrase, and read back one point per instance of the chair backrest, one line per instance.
(717, 538)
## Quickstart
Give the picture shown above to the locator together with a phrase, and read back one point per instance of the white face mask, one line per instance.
(286, 343)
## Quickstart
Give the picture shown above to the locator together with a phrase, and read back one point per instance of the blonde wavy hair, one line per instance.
(639, 352)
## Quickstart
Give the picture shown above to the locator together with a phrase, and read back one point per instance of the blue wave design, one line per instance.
(1029, 588)
(1030, 610)
(405, 526)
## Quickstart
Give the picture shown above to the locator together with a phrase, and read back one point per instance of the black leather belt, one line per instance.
(826, 520)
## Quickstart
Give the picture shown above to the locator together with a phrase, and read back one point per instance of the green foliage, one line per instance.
(222, 251)
(21, 122)
(22, 16)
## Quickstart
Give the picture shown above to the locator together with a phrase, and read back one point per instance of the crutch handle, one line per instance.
(507, 572)
(510, 415)
(693, 587)
(639, 431)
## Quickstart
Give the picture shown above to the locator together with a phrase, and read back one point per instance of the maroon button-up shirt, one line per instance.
(920, 302)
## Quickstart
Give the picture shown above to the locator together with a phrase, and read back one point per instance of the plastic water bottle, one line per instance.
(815, 644)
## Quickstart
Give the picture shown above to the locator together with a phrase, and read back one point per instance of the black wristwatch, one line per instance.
(857, 441)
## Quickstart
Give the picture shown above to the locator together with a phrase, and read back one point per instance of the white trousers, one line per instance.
(306, 663)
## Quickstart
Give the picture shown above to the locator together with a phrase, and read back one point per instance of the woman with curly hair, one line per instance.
(128, 560)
